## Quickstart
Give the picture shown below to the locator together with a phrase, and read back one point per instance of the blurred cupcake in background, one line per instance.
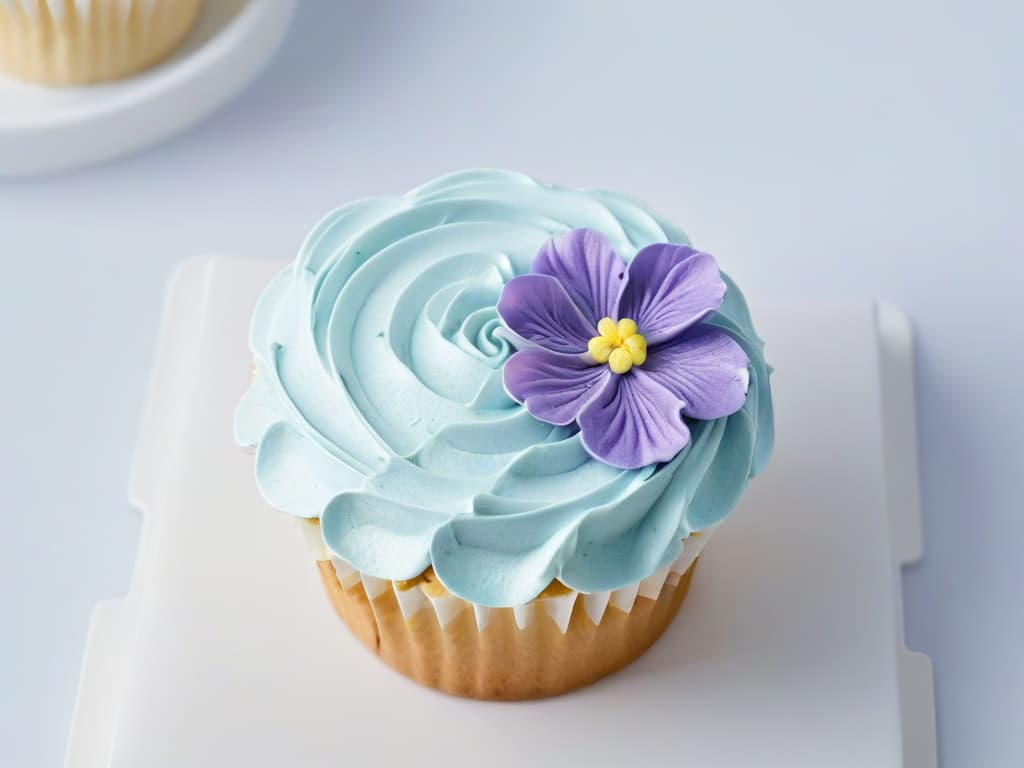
(75, 42)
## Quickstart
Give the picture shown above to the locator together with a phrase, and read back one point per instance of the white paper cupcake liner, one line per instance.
(71, 42)
(430, 595)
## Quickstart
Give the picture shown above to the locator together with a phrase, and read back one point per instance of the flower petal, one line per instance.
(553, 387)
(538, 308)
(584, 261)
(670, 288)
(705, 368)
(633, 422)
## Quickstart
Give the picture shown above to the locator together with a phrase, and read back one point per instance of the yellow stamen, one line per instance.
(637, 346)
(620, 361)
(619, 344)
(600, 349)
(607, 328)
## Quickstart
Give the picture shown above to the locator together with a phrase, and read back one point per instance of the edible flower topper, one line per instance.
(622, 350)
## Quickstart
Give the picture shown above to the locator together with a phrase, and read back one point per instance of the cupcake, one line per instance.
(508, 417)
(73, 42)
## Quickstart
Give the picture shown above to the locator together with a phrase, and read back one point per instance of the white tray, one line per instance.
(44, 129)
(788, 651)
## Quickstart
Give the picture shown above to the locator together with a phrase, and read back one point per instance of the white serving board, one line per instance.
(788, 651)
(45, 129)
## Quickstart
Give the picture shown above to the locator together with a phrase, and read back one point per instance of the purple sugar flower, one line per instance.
(622, 350)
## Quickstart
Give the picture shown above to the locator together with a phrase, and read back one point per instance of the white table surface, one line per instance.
(853, 149)
(758, 647)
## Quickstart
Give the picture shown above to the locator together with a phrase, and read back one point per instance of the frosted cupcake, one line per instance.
(509, 416)
(73, 42)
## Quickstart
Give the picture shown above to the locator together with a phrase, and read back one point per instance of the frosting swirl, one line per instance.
(379, 407)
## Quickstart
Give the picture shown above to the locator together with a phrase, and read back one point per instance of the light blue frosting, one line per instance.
(378, 403)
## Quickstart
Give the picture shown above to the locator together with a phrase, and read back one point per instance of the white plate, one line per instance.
(788, 651)
(44, 129)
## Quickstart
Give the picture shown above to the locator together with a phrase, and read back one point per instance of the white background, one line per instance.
(842, 149)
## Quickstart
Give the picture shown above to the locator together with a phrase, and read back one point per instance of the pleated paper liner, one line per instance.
(559, 641)
(64, 42)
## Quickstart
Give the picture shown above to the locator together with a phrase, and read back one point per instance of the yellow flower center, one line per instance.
(619, 344)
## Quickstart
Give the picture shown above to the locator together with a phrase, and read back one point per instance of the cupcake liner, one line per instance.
(73, 42)
(559, 641)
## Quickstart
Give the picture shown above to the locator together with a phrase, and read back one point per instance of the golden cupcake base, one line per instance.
(107, 40)
(503, 661)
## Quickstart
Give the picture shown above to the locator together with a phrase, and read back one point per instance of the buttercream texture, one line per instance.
(379, 406)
